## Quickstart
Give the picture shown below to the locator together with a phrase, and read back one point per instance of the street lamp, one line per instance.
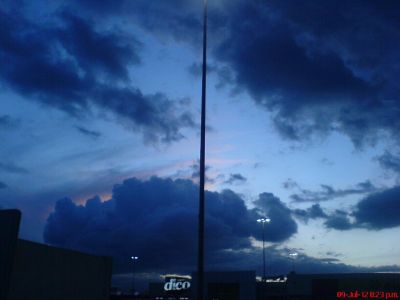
(293, 255)
(263, 221)
(133, 258)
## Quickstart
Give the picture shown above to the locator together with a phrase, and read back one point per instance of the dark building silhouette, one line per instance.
(343, 286)
(35, 271)
(243, 285)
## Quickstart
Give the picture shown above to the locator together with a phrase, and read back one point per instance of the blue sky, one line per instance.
(303, 118)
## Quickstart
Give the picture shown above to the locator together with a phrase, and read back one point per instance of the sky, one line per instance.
(100, 119)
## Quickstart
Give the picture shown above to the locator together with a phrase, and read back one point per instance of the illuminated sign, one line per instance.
(279, 279)
(176, 285)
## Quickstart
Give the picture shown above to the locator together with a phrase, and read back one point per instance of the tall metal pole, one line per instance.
(200, 265)
(263, 234)
(293, 255)
(263, 221)
(134, 259)
(133, 280)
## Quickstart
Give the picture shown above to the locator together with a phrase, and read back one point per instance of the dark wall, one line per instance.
(35, 271)
(9, 226)
(43, 272)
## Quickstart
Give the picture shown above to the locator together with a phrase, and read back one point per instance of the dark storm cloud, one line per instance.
(157, 221)
(379, 210)
(90, 133)
(315, 74)
(145, 216)
(108, 52)
(390, 162)
(7, 167)
(313, 212)
(328, 192)
(236, 178)
(156, 113)
(319, 73)
(69, 65)
(3, 185)
(339, 220)
(282, 226)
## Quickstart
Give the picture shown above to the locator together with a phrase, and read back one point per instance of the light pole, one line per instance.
(263, 221)
(200, 261)
(293, 255)
(134, 259)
